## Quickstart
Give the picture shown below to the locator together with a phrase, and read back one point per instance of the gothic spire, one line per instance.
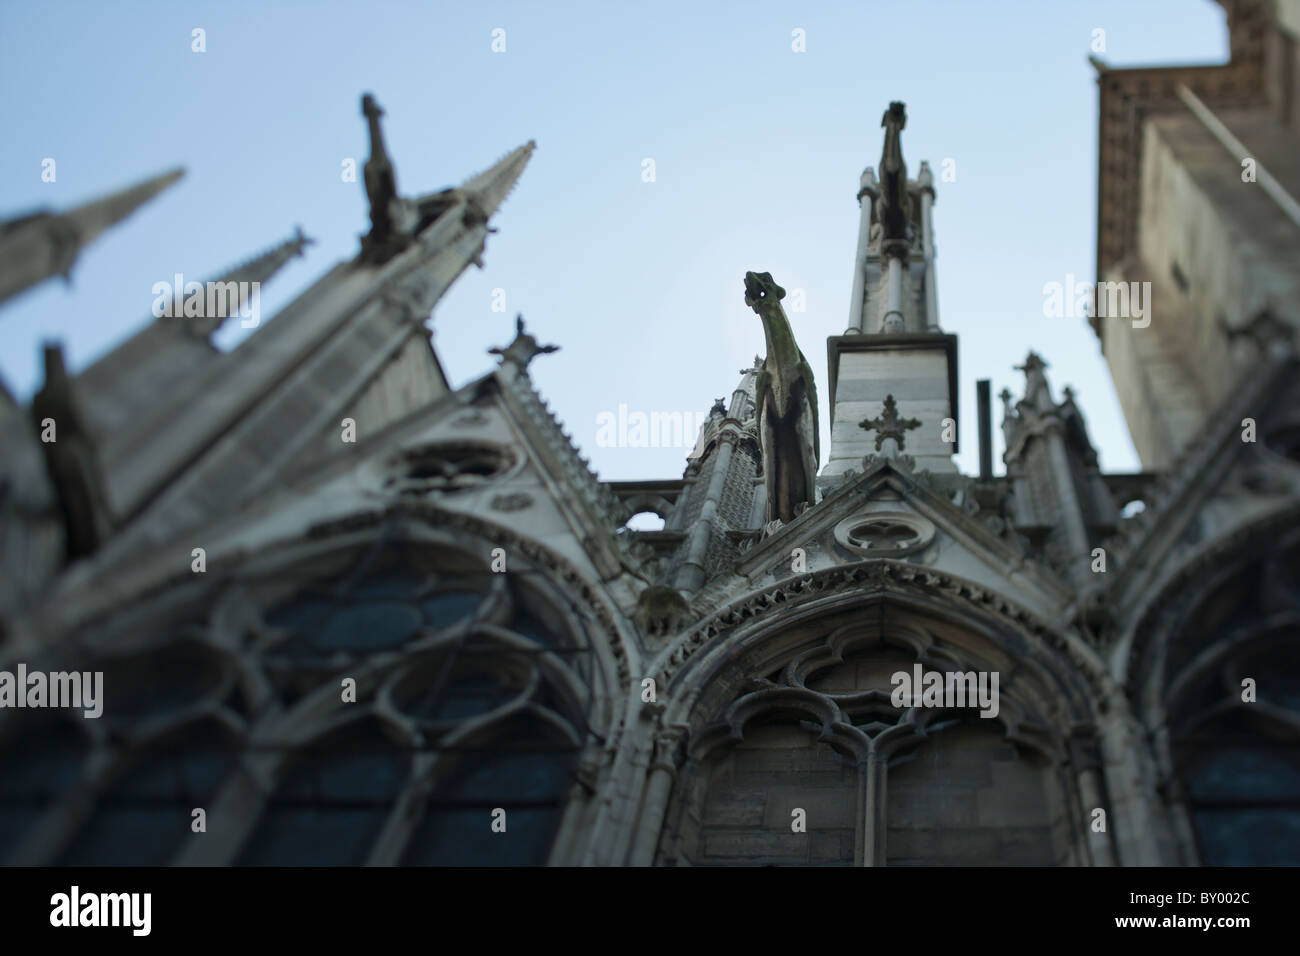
(491, 187)
(396, 221)
(264, 266)
(44, 244)
(894, 287)
(110, 383)
(257, 270)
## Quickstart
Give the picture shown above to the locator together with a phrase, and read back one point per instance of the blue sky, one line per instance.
(757, 152)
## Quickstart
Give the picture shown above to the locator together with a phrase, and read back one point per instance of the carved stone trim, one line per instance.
(515, 501)
(880, 574)
(593, 607)
(449, 466)
(881, 534)
(1190, 577)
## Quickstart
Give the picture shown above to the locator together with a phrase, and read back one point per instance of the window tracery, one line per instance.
(477, 691)
(880, 784)
(1231, 706)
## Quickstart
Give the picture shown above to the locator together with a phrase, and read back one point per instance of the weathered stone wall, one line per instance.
(970, 799)
(753, 789)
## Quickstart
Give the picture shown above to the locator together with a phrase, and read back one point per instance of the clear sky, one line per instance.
(757, 153)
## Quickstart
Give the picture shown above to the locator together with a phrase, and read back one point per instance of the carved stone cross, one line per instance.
(523, 349)
(889, 425)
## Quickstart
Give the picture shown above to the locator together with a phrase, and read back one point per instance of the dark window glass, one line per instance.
(333, 802)
(445, 609)
(1243, 774)
(528, 777)
(39, 762)
(1244, 836)
(160, 681)
(381, 610)
(144, 815)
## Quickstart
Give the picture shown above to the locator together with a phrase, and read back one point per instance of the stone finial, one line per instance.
(868, 185)
(523, 349)
(925, 178)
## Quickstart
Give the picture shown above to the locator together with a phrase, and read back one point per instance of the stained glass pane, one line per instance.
(332, 803)
(1263, 836)
(33, 778)
(448, 607)
(371, 626)
(145, 813)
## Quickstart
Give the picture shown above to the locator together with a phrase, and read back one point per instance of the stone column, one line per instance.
(926, 182)
(870, 845)
(659, 785)
(1071, 509)
(758, 510)
(1135, 813)
(1085, 757)
(867, 191)
(692, 572)
(893, 320)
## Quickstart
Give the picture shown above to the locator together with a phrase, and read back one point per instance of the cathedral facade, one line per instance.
(339, 612)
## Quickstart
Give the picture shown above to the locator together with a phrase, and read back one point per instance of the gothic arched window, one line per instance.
(332, 802)
(383, 602)
(970, 797)
(1232, 708)
(818, 764)
(144, 815)
(492, 680)
(755, 787)
(522, 773)
(502, 712)
(33, 779)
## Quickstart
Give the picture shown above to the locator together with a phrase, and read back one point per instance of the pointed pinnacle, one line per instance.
(44, 244)
(94, 217)
(263, 267)
(493, 185)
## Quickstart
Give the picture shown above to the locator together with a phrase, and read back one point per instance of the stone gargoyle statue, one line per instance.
(392, 218)
(893, 208)
(786, 397)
